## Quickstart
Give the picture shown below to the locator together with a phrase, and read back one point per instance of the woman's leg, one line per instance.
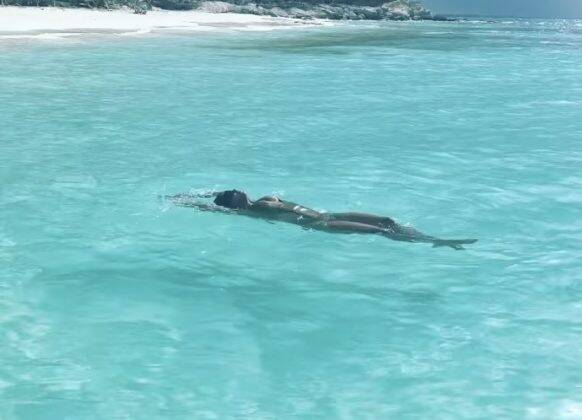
(399, 234)
(343, 226)
(368, 219)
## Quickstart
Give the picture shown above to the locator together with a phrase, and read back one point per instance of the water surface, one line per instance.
(114, 304)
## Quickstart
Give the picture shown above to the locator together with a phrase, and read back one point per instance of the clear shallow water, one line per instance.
(116, 305)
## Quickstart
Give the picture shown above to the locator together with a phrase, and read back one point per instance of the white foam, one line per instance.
(58, 23)
(142, 31)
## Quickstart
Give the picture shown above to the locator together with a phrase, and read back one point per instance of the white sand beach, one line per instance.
(52, 21)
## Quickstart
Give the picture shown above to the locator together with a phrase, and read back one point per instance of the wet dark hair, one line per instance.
(233, 199)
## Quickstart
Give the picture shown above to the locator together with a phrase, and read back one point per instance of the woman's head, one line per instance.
(233, 199)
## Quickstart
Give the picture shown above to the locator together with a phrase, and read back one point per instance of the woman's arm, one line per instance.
(207, 207)
(190, 196)
(189, 200)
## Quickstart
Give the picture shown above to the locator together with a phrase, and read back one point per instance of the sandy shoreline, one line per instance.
(16, 22)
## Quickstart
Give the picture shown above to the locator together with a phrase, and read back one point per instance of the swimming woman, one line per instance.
(274, 208)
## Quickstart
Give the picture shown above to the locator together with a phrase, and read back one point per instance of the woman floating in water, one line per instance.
(274, 208)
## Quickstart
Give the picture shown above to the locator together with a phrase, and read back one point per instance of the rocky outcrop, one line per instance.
(390, 10)
(298, 9)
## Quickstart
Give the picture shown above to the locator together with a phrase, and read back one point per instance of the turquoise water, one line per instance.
(114, 304)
